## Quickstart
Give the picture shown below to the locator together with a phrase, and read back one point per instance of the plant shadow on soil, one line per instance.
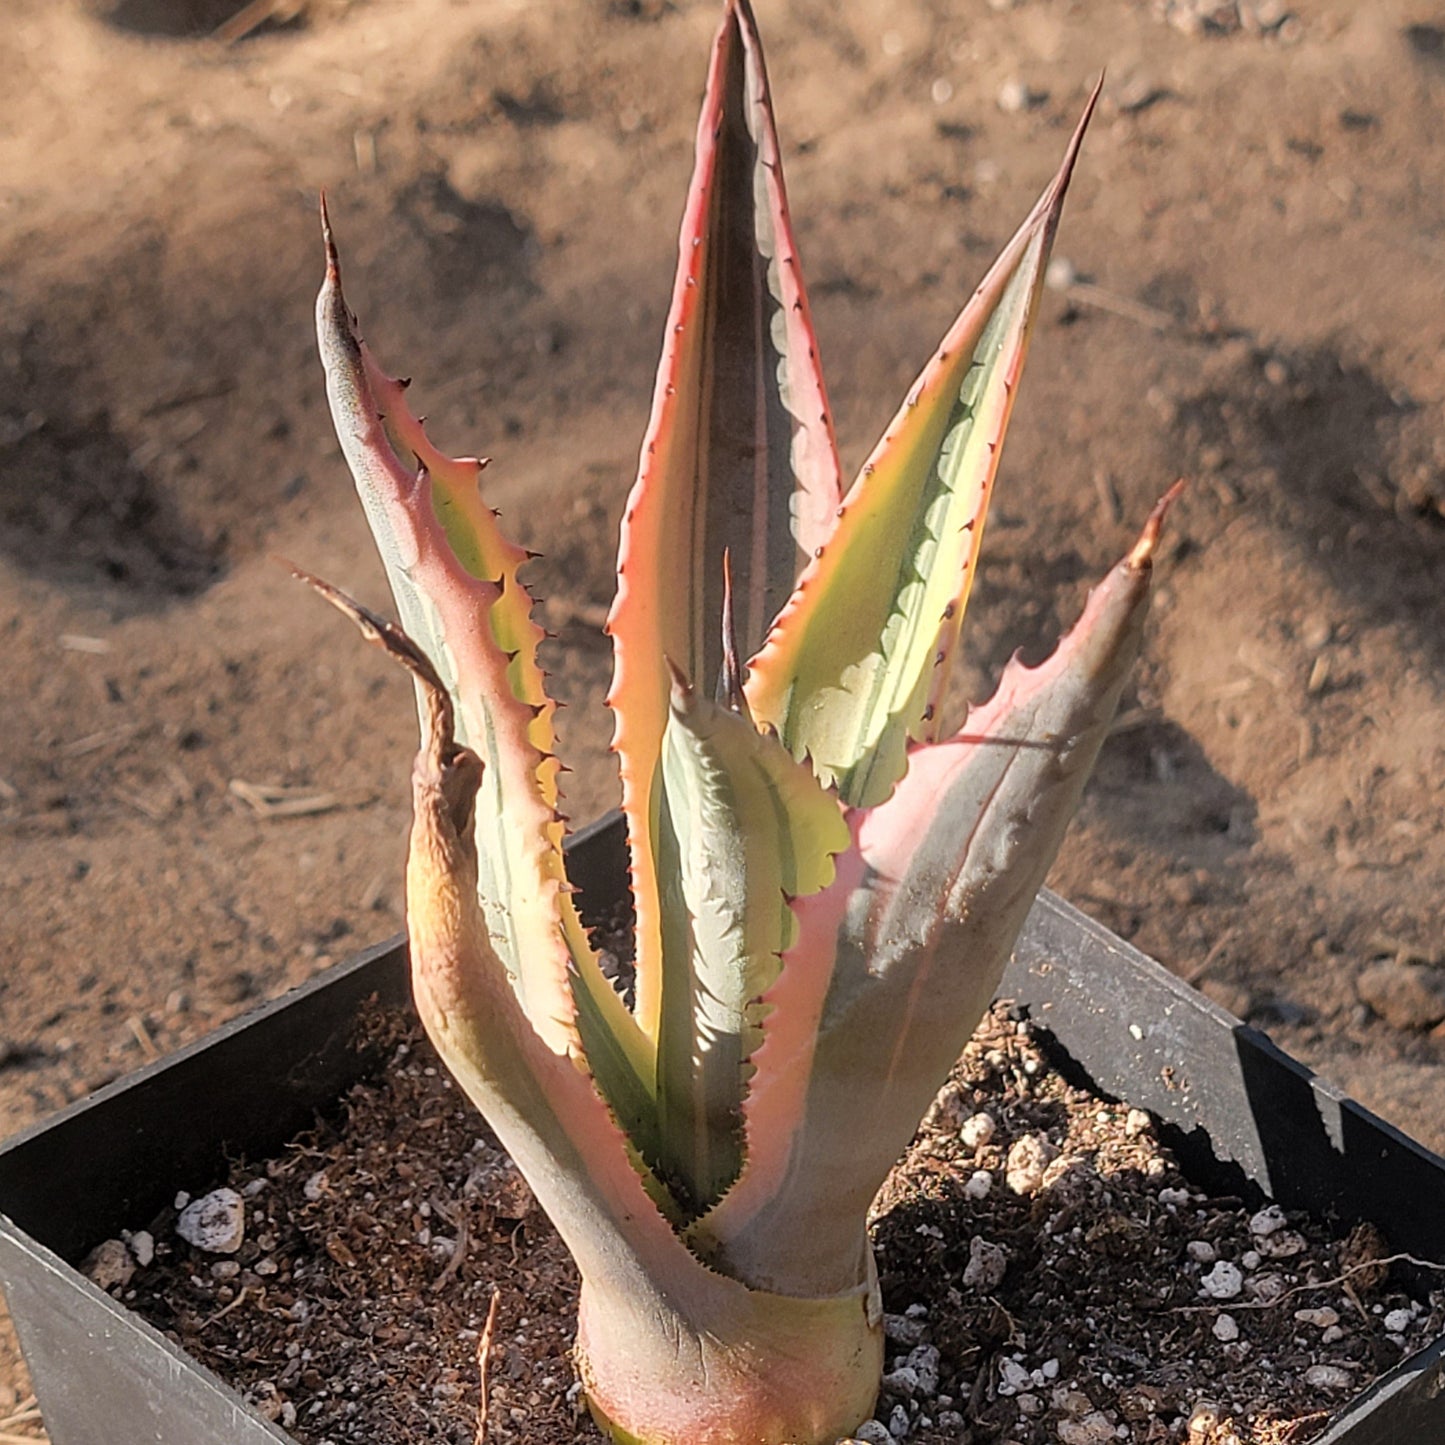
(79, 509)
(1349, 475)
(469, 242)
(143, 487)
(173, 19)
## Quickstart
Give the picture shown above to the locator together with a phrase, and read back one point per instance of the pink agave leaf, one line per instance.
(739, 455)
(545, 1108)
(926, 908)
(455, 580)
(847, 674)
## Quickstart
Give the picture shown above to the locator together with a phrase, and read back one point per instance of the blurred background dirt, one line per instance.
(203, 778)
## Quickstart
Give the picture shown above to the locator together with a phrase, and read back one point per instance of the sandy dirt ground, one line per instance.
(203, 777)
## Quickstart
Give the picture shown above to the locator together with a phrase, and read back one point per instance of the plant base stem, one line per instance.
(759, 1369)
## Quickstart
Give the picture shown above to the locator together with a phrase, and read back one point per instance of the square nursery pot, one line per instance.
(1242, 1117)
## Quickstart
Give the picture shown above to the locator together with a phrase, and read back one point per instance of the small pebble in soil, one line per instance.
(215, 1223)
(873, 1432)
(1095, 1428)
(1284, 1245)
(1028, 1158)
(902, 1383)
(903, 1329)
(977, 1130)
(1060, 274)
(1137, 93)
(1203, 1421)
(1266, 1289)
(924, 1361)
(1225, 1328)
(109, 1265)
(987, 1265)
(1015, 96)
(1224, 1281)
(1012, 1377)
(1267, 1221)
(979, 1184)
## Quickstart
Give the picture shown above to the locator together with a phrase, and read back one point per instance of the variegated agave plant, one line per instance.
(826, 889)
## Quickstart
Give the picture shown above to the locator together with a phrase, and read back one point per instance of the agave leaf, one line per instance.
(925, 908)
(847, 674)
(545, 1109)
(642, 1290)
(775, 1107)
(739, 455)
(741, 830)
(456, 586)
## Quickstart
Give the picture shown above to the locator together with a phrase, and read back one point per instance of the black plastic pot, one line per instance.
(1242, 1116)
